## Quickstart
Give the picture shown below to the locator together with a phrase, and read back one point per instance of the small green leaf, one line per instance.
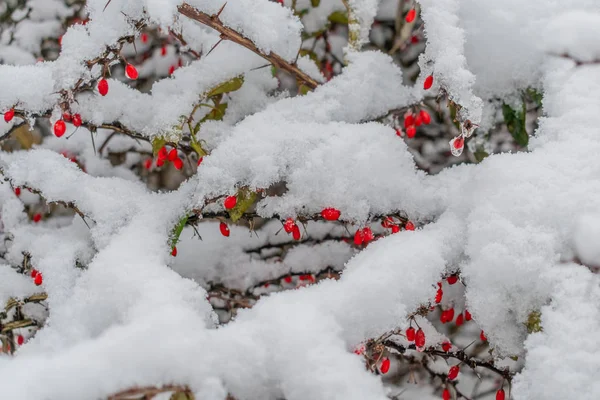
(303, 89)
(245, 199)
(217, 113)
(157, 144)
(339, 17)
(480, 155)
(230, 86)
(315, 3)
(514, 358)
(515, 123)
(198, 149)
(536, 96)
(177, 231)
(534, 322)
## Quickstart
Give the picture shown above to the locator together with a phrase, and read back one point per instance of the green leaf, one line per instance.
(245, 199)
(198, 149)
(515, 123)
(480, 155)
(315, 3)
(339, 17)
(182, 396)
(536, 96)
(157, 144)
(313, 56)
(303, 89)
(230, 86)
(534, 322)
(177, 231)
(217, 113)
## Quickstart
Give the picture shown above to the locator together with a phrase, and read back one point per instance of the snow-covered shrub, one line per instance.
(260, 199)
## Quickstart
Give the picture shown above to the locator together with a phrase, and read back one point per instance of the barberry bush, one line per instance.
(294, 199)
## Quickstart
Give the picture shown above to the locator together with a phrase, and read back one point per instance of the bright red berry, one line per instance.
(171, 69)
(288, 225)
(200, 161)
(418, 120)
(148, 163)
(428, 82)
(450, 314)
(500, 395)
(425, 117)
(359, 237)
(60, 128)
(230, 202)
(482, 336)
(409, 120)
(160, 162)
(395, 229)
(331, 214)
(9, 115)
(144, 38)
(367, 234)
(409, 226)
(446, 346)
(163, 51)
(37, 217)
(103, 87)
(420, 338)
(172, 155)
(20, 340)
(385, 365)
(446, 394)
(459, 320)
(458, 143)
(174, 251)
(410, 16)
(296, 232)
(77, 120)
(398, 132)
(178, 163)
(18, 191)
(38, 279)
(131, 72)
(452, 279)
(410, 334)
(67, 117)
(468, 316)
(387, 222)
(453, 372)
(224, 229)
(34, 272)
(287, 279)
(438, 296)
(411, 131)
(162, 153)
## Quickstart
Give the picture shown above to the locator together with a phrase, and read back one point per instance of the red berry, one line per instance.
(178, 163)
(34, 272)
(359, 237)
(438, 296)
(385, 365)
(368, 234)
(103, 87)
(38, 279)
(174, 251)
(410, 334)
(414, 39)
(420, 338)
(395, 229)
(148, 163)
(18, 191)
(453, 372)
(60, 128)
(468, 315)
(172, 155)
(230, 202)
(459, 142)
(446, 394)
(409, 226)
(459, 320)
(20, 340)
(160, 162)
(37, 217)
(428, 82)
(200, 161)
(144, 38)
(296, 232)
(288, 279)
(418, 120)
(410, 16)
(450, 314)
(452, 279)
(224, 229)
(425, 117)
(331, 214)
(180, 62)
(398, 132)
(131, 72)
(77, 120)
(9, 115)
(360, 349)
(171, 69)
(163, 51)
(67, 117)
(482, 336)
(409, 120)
(446, 346)
(387, 222)
(411, 131)
(500, 395)
(288, 225)
(162, 153)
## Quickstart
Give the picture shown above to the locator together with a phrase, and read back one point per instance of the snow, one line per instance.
(520, 228)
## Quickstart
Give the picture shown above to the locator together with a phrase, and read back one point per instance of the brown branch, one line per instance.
(229, 34)
(147, 392)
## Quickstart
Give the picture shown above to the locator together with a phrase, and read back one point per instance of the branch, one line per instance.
(229, 34)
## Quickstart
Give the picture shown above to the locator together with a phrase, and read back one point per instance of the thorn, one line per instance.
(106, 5)
(264, 66)
(212, 48)
(93, 143)
(220, 11)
